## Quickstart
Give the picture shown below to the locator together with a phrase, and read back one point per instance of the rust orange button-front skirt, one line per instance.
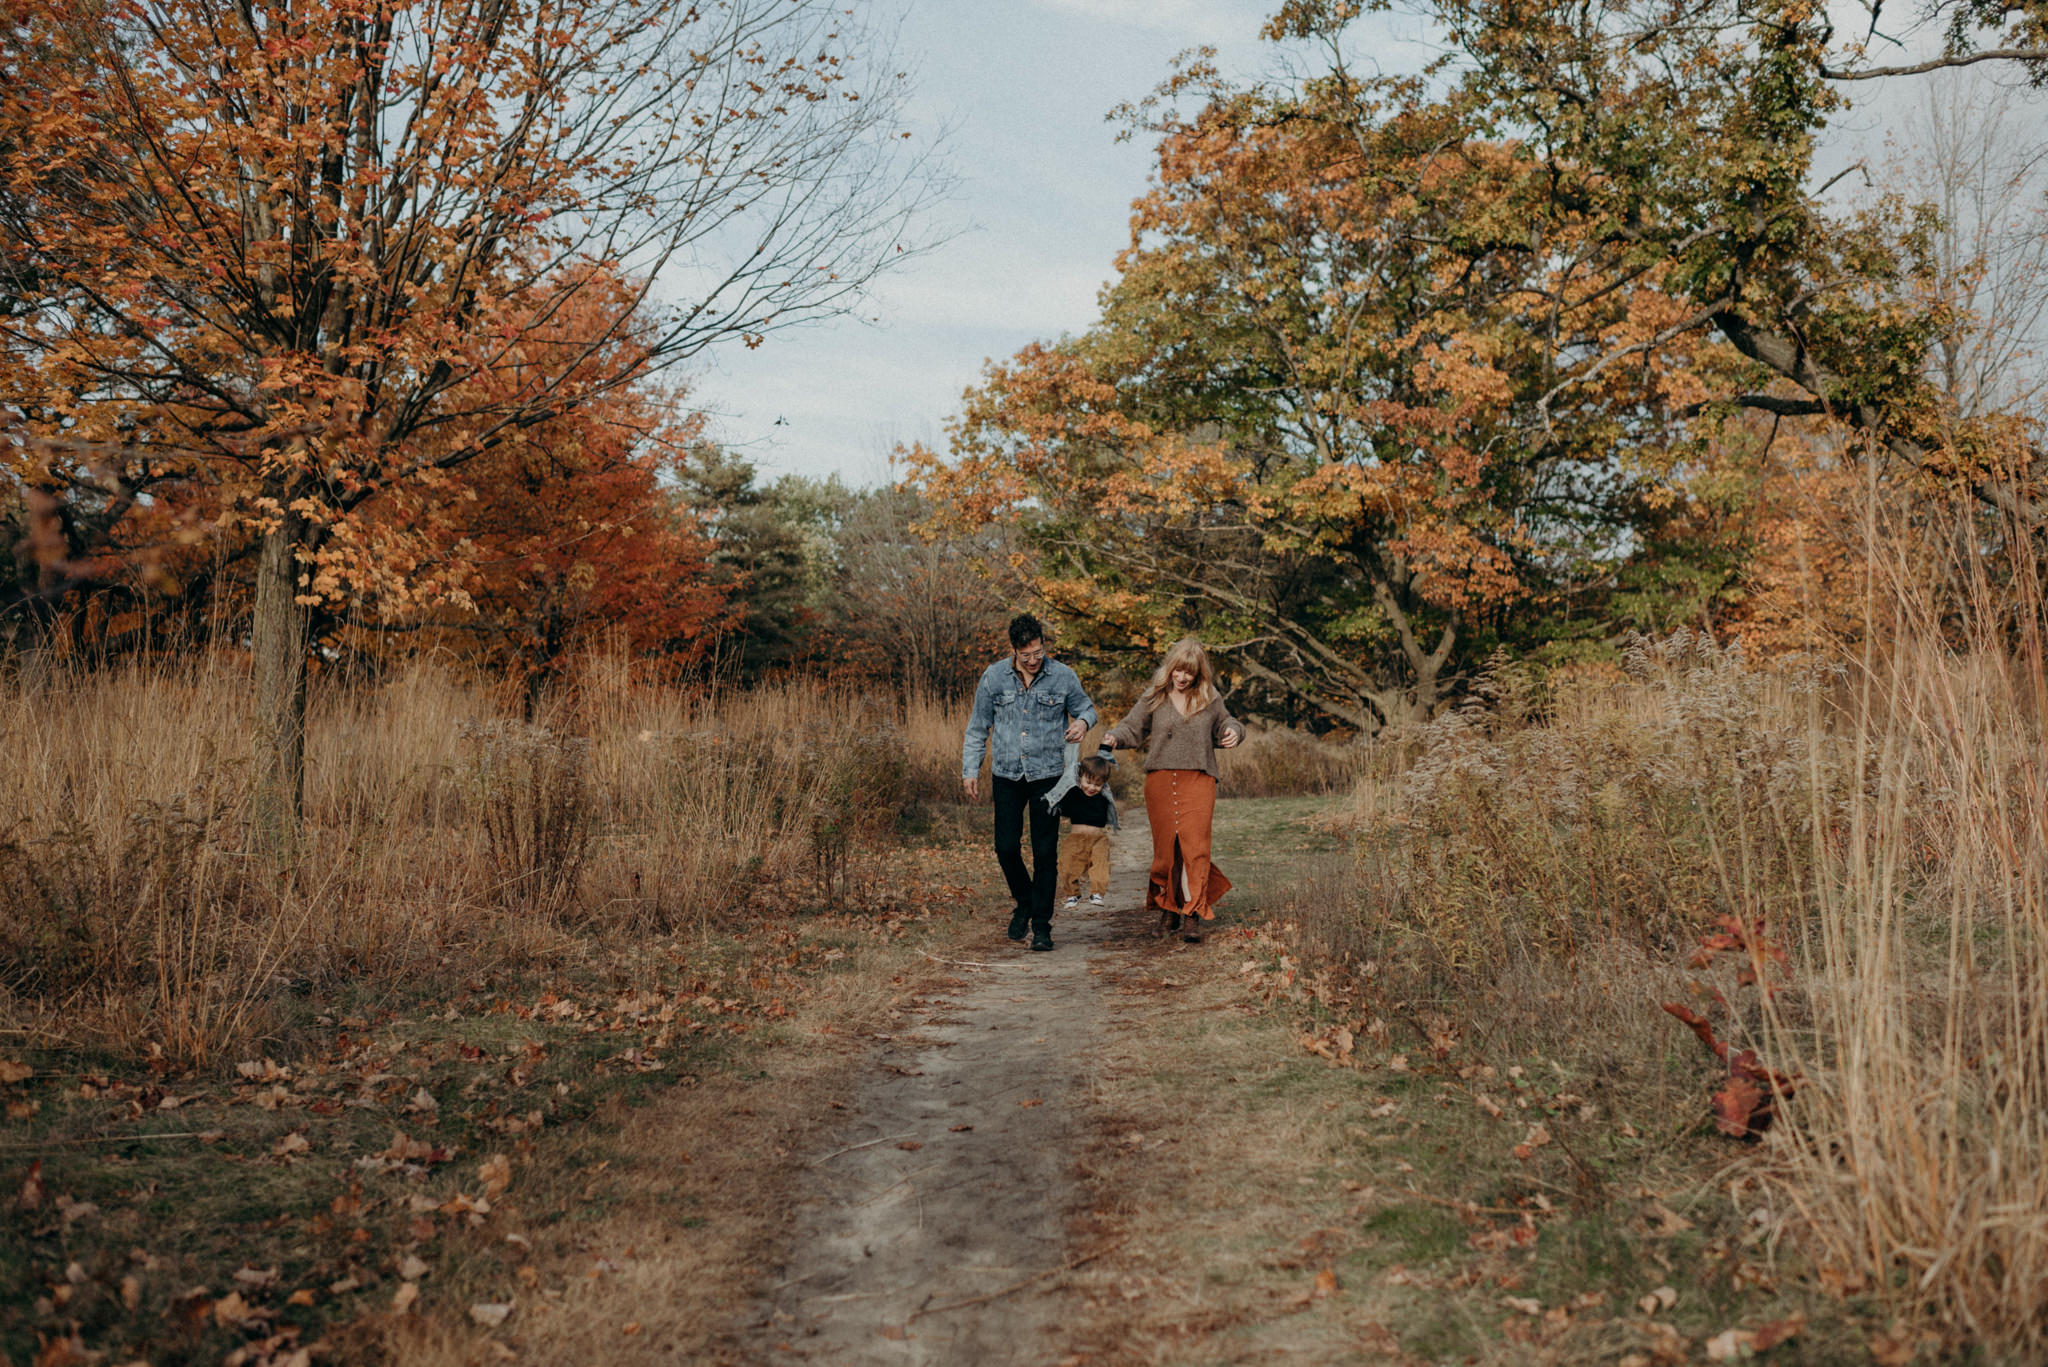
(1180, 804)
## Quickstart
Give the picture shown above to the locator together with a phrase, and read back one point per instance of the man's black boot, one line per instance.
(1020, 923)
(1042, 939)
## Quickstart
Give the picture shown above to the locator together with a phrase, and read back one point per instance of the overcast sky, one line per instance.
(1042, 207)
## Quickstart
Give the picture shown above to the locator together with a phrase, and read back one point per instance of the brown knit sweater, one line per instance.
(1176, 742)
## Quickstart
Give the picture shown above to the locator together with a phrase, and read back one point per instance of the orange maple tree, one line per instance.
(1306, 425)
(312, 256)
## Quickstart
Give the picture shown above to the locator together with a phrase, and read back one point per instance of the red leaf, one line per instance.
(1735, 1104)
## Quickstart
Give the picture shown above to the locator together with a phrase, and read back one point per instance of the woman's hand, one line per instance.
(1231, 736)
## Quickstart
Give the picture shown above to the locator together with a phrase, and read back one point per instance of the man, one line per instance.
(1032, 706)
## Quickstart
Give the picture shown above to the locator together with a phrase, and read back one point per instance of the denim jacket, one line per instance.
(1028, 727)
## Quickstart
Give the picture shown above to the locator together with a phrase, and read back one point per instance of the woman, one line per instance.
(1181, 720)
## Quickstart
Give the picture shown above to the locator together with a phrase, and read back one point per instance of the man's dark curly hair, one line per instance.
(1024, 629)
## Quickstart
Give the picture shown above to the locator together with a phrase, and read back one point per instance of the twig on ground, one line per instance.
(869, 1145)
(961, 963)
(1466, 1205)
(107, 1139)
(1068, 1266)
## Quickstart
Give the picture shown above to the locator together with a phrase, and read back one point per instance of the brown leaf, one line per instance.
(1777, 1331)
(496, 1174)
(1663, 1221)
(959, 1129)
(12, 1071)
(1326, 1282)
(31, 1187)
(491, 1314)
(74, 1211)
(1032, 1101)
(231, 1311)
(1736, 1105)
(407, 1296)
(291, 1146)
(1893, 1347)
(911, 1145)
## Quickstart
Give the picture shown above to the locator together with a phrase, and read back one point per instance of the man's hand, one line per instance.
(1076, 729)
(972, 787)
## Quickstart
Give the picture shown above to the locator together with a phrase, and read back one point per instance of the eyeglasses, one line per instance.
(1032, 656)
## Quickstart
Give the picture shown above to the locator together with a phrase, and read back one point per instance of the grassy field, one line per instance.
(1568, 1204)
(379, 1169)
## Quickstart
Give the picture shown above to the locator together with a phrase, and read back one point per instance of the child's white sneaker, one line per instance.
(1094, 899)
(1074, 901)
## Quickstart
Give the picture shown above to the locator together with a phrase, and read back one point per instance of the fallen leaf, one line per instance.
(303, 1296)
(1893, 1347)
(31, 1187)
(1326, 1282)
(407, 1296)
(1032, 1101)
(254, 1278)
(231, 1311)
(491, 1314)
(911, 1145)
(1664, 1222)
(12, 1072)
(1770, 1335)
(1537, 1137)
(959, 1129)
(291, 1145)
(131, 1292)
(1663, 1298)
(631, 1328)
(1526, 1304)
(1731, 1344)
(412, 1267)
(74, 1211)
(896, 1333)
(496, 1174)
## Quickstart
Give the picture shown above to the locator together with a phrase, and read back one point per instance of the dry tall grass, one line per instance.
(1562, 846)
(437, 823)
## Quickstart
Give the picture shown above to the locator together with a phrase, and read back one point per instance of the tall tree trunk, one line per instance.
(279, 639)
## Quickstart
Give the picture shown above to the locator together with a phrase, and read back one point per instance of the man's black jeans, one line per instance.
(1031, 888)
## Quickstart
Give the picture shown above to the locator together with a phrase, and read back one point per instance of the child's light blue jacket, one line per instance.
(1026, 727)
(1072, 776)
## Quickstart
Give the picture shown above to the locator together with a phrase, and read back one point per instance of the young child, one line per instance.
(1090, 808)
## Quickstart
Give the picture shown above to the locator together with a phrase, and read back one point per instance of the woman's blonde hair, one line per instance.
(1187, 653)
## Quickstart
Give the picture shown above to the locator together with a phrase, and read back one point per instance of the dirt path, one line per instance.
(937, 1224)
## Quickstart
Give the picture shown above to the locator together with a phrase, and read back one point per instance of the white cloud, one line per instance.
(1205, 21)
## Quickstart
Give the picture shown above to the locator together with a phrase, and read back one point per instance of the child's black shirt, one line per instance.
(1084, 810)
